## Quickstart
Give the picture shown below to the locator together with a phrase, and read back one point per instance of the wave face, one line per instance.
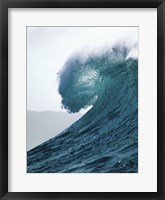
(105, 139)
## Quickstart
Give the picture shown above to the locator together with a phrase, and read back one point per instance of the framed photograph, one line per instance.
(82, 99)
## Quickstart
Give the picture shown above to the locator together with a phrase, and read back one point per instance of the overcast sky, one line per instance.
(48, 48)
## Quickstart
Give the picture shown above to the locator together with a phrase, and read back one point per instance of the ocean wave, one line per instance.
(105, 139)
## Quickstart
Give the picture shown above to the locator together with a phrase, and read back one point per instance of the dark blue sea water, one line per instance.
(105, 139)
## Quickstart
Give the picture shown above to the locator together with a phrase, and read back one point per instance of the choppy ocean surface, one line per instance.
(105, 139)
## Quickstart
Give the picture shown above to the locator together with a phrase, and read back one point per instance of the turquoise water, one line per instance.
(105, 139)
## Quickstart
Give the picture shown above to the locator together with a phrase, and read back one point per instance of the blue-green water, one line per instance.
(105, 139)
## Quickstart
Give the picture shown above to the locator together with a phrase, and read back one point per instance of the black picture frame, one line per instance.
(4, 5)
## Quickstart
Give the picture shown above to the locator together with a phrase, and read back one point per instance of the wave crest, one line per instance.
(82, 82)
